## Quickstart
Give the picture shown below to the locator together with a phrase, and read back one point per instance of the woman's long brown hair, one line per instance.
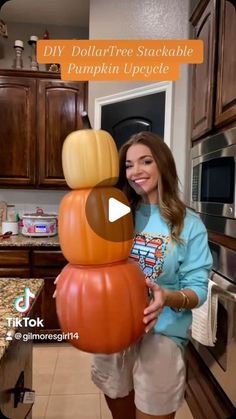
(172, 209)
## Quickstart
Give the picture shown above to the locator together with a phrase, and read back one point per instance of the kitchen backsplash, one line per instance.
(27, 200)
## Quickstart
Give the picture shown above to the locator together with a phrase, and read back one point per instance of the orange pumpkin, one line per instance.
(85, 234)
(103, 304)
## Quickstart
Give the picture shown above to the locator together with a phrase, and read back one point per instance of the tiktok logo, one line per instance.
(22, 303)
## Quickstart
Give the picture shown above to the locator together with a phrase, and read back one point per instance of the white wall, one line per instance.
(28, 200)
(146, 19)
(23, 31)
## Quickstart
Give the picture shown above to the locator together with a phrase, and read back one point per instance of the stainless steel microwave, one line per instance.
(213, 181)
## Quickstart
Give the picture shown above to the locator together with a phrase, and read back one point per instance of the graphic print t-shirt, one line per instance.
(150, 250)
(173, 266)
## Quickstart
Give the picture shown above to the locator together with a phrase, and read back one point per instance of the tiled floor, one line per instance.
(61, 379)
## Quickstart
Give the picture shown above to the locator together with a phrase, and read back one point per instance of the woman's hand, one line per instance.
(55, 292)
(155, 307)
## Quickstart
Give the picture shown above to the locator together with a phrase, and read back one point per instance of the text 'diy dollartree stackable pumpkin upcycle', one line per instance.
(100, 294)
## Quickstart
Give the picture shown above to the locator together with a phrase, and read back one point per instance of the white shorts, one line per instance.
(154, 368)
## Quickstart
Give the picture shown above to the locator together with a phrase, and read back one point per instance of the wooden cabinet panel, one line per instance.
(214, 81)
(203, 75)
(46, 307)
(14, 263)
(17, 358)
(203, 394)
(59, 112)
(14, 257)
(40, 272)
(48, 258)
(38, 111)
(47, 264)
(226, 78)
(17, 130)
(17, 272)
(44, 263)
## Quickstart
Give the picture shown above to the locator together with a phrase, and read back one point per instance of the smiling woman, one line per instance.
(142, 172)
(147, 163)
(148, 379)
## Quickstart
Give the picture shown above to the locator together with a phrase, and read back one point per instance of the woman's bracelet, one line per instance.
(185, 300)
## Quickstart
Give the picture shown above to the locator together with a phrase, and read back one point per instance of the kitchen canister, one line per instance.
(10, 226)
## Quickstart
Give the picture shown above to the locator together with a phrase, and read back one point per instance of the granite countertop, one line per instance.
(10, 288)
(25, 241)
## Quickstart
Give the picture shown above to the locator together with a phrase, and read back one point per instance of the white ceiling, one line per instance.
(54, 12)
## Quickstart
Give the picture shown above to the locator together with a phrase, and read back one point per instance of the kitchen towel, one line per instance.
(204, 324)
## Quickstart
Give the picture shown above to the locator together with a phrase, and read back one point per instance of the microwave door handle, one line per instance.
(226, 294)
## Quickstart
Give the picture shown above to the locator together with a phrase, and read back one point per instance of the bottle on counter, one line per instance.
(11, 213)
(20, 224)
(3, 212)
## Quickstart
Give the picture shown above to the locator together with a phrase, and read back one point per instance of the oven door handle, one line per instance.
(226, 294)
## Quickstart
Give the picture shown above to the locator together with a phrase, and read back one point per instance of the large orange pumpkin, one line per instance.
(103, 304)
(104, 242)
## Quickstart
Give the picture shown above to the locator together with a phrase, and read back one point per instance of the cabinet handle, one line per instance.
(226, 294)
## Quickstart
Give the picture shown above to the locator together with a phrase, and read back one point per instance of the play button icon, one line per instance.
(108, 213)
(116, 210)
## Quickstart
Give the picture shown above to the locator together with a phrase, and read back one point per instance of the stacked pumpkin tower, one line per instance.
(100, 294)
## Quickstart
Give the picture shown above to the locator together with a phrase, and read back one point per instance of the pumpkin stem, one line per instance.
(86, 121)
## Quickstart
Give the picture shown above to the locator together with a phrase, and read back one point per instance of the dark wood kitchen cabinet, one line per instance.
(17, 130)
(45, 263)
(226, 76)
(14, 263)
(204, 22)
(38, 111)
(204, 396)
(214, 81)
(59, 109)
(15, 368)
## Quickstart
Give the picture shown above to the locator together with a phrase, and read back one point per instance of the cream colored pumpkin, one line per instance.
(90, 157)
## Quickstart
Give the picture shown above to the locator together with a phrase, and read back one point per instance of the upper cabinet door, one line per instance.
(60, 105)
(17, 130)
(203, 74)
(226, 77)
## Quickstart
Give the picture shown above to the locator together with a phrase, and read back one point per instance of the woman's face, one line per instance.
(142, 172)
